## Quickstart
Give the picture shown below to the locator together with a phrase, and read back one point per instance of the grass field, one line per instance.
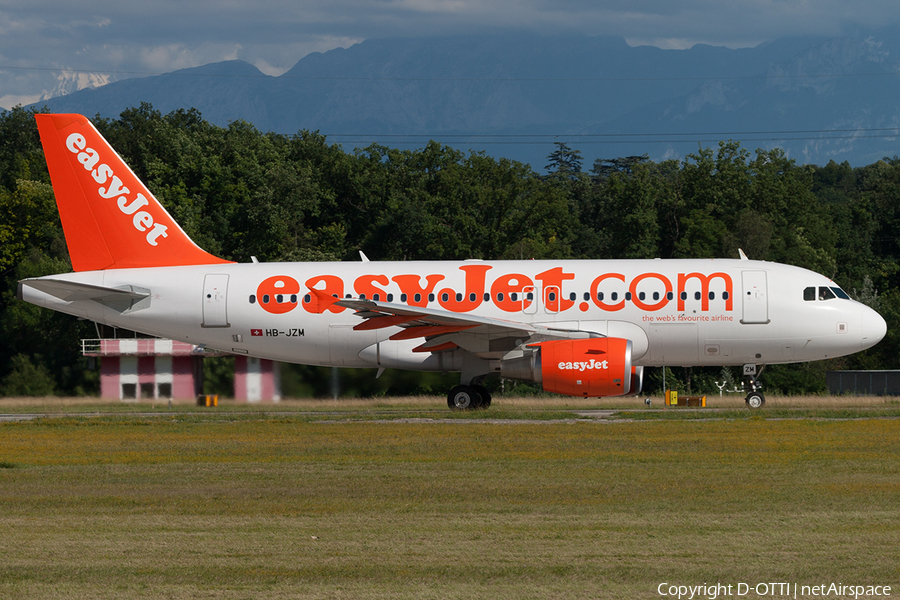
(387, 499)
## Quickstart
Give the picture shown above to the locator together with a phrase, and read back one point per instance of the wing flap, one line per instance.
(379, 315)
(444, 330)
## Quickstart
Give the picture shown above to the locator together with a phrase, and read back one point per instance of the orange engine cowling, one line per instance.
(591, 367)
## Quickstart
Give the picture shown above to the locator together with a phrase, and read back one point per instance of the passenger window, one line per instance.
(252, 299)
(513, 296)
(825, 293)
(809, 294)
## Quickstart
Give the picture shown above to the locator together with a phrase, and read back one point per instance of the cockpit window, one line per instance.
(840, 293)
(825, 293)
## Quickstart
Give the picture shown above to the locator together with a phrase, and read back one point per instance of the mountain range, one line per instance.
(514, 95)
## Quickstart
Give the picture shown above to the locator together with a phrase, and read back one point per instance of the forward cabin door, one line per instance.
(215, 295)
(755, 297)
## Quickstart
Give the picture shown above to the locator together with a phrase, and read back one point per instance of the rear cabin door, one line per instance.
(215, 293)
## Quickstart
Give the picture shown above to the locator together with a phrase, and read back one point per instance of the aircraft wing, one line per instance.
(444, 330)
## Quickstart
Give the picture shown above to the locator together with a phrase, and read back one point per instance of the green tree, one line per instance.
(564, 161)
(27, 379)
(21, 155)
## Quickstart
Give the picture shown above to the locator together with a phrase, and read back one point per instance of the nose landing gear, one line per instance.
(754, 398)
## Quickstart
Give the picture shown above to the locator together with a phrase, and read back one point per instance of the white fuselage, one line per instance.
(675, 312)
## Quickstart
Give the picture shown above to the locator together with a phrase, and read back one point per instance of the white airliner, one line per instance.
(577, 327)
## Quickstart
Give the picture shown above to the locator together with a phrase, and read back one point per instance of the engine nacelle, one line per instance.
(591, 367)
(637, 380)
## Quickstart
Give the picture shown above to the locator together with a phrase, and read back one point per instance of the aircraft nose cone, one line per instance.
(874, 328)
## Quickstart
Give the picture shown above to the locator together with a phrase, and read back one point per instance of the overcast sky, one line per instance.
(116, 39)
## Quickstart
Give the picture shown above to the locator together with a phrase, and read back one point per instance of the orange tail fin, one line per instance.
(111, 220)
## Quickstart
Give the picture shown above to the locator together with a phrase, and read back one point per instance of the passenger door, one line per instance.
(755, 297)
(215, 296)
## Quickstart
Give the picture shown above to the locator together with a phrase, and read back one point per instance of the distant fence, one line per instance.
(864, 383)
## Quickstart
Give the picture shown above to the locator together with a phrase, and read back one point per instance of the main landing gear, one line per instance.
(469, 397)
(755, 398)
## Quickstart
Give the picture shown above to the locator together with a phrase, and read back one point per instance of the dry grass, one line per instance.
(271, 506)
(549, 402)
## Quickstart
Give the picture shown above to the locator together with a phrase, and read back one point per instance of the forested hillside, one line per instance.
(241, 193)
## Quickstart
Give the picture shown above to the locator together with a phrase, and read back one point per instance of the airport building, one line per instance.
(134, 368)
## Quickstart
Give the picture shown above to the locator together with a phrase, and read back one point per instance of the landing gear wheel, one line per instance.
(464, 397)
(755, 400)
(485, 396)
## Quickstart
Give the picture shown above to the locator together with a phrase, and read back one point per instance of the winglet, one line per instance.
(111, 220)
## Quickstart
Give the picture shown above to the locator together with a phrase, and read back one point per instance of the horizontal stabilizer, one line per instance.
(122, 298)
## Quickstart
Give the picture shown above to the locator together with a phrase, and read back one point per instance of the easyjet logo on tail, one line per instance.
(110, 186)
